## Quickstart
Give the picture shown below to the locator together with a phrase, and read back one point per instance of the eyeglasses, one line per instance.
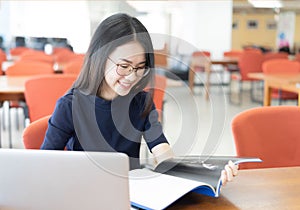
(125, 69)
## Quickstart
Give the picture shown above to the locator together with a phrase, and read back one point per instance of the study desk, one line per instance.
(259, 189)
(280, 81)
(207, 64)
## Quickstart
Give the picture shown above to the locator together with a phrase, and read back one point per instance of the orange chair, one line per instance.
(57, 50)
(42, 92)
(74, 66)
(275, 55)
(199, 61)
(276, 66)
(17, 51)
(158, 94)
(2, 59)
(297, 57)
(232, 54)
(34, 133)
(35, 55)
(64, 56)
(27, 68)
(269, 133)
(249, 61)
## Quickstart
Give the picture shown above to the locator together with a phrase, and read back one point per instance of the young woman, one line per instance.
(107, 109)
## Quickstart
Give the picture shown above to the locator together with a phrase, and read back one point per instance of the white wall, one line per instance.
(204, 24)
(65, 19)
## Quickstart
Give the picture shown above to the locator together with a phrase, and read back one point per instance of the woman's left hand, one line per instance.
(230, 171)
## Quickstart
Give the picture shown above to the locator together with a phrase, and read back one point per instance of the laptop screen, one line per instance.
(41, 179)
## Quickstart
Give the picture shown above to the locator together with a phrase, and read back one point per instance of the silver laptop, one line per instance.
(63, 180)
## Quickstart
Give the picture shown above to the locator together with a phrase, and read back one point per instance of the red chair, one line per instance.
(275, 55)
(297, 57)
(277, 66)
(232, 54)
(34, 133)
(249, 61)
(35, 55)
(42, 92)
(17, 51)
(158, 94)
(74, 66)
(28, 68)
(269, 133)
(2, 59)
(199, 62)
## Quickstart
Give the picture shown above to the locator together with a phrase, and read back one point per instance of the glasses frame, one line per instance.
(133, 69)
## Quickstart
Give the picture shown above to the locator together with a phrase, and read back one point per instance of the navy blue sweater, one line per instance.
(81, 122)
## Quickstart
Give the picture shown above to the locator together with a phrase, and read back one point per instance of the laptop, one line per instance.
(63, 180)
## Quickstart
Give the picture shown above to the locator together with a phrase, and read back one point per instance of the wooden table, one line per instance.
(279, 81)
(11, 89)
(259, 189)
(207, 64)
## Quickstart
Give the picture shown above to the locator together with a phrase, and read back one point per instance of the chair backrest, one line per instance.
(34, 133)
(199, 60)
(36, 55)
(281, 66)
(64, 56)
(270, 133)
(42, 92)
(26, 68)
(159, 93)
(17, 51)
(233, 53)
(161, 57)
(297, 57)
(74, 66)
(2, 59)
(250, 61)
(275, 55)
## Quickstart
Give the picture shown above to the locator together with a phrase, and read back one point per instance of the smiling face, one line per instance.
(114, 85)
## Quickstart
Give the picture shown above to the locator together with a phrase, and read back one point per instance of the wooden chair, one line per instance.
(269, 133)
(42, 92)
(34, 133)
(277, 66)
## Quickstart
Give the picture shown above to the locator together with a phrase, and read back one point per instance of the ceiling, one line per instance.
(243, 6)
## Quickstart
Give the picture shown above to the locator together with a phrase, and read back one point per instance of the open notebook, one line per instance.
(40, 179)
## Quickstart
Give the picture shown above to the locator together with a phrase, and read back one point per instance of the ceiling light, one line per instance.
(266, 3)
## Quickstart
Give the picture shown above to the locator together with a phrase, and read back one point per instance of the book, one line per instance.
(159, 187)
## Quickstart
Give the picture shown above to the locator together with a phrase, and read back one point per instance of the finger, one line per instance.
(223, 177)
(228, 173)
(234, 168)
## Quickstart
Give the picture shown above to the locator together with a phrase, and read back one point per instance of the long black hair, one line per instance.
(113, 32)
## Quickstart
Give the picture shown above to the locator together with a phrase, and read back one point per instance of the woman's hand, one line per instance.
(230, 171)
(162, 152)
